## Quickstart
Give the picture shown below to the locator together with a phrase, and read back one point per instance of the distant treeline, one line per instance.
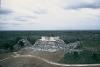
(89, 38)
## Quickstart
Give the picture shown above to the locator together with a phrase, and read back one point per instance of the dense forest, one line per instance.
(89, 38)
(90, 43)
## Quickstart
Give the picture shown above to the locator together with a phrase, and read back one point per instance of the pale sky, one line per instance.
(50, 15)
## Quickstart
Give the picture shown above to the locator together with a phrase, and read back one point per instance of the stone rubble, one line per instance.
(49, 46)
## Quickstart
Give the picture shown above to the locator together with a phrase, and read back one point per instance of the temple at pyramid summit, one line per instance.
(46, 38)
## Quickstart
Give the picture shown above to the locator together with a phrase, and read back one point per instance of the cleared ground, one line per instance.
(34, 61)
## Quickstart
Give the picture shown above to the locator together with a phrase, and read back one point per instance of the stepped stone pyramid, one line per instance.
(50, 44)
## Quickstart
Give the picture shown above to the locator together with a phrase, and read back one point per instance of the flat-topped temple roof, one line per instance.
(46, 38)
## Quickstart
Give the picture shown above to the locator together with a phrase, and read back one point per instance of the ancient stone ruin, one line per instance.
(50, 44)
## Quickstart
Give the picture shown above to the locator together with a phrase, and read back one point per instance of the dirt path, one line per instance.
(38, 61)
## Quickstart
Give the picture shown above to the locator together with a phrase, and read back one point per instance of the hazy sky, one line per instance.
(50, 15)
